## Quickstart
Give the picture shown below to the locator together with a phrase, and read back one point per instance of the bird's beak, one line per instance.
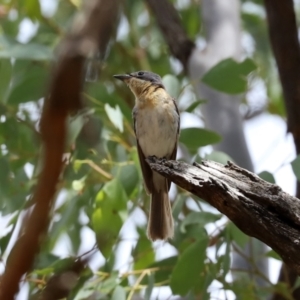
(123, 77)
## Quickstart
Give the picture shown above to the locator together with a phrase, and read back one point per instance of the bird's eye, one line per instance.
(140, 73)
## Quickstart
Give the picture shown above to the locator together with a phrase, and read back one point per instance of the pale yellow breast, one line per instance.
(157, 124)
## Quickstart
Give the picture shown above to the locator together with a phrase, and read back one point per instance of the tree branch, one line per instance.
(283, 32)
(258, 208)
(90, 33)
(169, 22)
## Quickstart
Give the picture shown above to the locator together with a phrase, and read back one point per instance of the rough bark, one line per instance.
(90, 33)
(283, 31)
(260, 209)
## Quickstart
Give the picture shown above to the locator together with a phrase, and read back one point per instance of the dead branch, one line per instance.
(260, 209)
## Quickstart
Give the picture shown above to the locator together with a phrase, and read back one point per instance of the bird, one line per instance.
(156, 123)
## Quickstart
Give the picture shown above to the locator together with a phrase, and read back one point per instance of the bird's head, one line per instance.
(139, 81)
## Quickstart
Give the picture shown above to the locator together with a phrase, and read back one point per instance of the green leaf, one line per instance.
(44, 260)
(99, 95)
(219, 157)
(119, 293)
(191, 20)
(189, 267)
(171, 84)
(116, 196)
(62, 265)
(194, 138)
(229, 76)
(282, 288)
(31, 51)
(4, 240)
(115, 116)
(110, 283)
(150, 286)
(29, 86)
(164, 267)
(204, 281)
(237, 235)
(178, 204)
(109, 215)
(202, 218)
(33, 9)
(267, 176)
(129, 178)
(5, 75)
(273, 254)
(296, 167)
(194, 105)
(297, 283)
(75, 124)
(143, 253)
(85, 275)
(244, 288)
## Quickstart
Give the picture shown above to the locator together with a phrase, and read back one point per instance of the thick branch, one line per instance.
(169, 22)
(258, 208)
(91, 31)
(283, 33)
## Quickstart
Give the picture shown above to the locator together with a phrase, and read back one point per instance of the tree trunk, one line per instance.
(223, 36)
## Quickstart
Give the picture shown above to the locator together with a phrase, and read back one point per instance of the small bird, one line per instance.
(156, 126)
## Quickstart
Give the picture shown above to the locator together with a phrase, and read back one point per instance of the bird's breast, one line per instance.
(156, 127)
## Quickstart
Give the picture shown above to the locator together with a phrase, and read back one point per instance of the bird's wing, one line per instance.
(146, 170)
(173, 155)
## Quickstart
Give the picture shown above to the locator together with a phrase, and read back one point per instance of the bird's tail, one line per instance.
(160, 225)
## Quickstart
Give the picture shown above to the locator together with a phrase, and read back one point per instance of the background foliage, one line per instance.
(101, 206)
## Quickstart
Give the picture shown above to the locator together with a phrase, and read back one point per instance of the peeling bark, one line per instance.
(260, 209)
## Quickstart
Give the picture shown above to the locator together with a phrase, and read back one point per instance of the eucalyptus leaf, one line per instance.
(194, 105)
(115, 116)
(143, 253)
(201, 217)
(5, 75)
(219, 157)
(296, 167)
(172, 85)
(29, 86)
(194, 138)
(189, 267)
(267, 176)
(30, 51)
(229, 76)
(237, 235)
(119, 293)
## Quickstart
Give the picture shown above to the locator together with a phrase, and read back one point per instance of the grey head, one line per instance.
(142, 75)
